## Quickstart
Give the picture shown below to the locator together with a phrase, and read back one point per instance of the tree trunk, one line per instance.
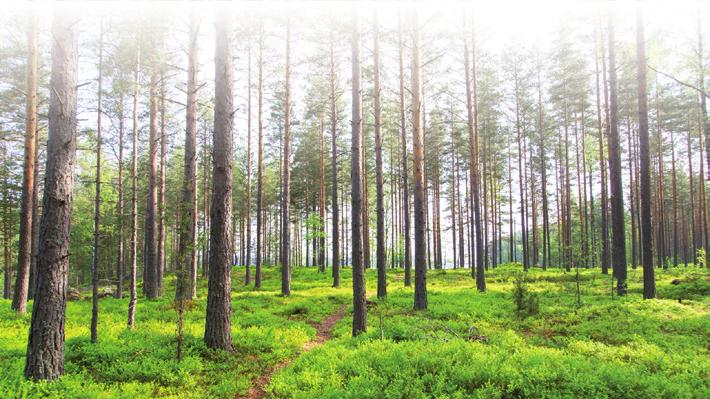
(134, 197)
(247, 246)
(121, 259)
(260, 165)
(420, 266)
(151, 286)
(603, 131)
(286, 180)
(45, 347)
(618, 237)
(334, 160)
(405, 165)
(359, 308)
(187, 264)
(19, 299)
(218, 329)
(471, 109)
(649, 281)
(97, 200)
(381, 255)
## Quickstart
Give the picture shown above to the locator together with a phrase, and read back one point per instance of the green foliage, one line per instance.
(526, 302)
(467, 345)
(702, 257)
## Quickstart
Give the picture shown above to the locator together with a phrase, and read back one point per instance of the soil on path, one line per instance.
(324, 332)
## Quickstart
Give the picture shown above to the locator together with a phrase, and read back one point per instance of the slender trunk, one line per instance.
(260, 164)
(472, 111)
(286, 179)
(334, 160)
(121, 259)
(151, 285)
(381, 260)
(161, 190)
(618, 238)
(603, 131)
(359, 307)
(247, 224)
(187, 268)
(134, 198)
(420, 267)
(97, 200)
(649, 281)
(405, 164)
(19, 299)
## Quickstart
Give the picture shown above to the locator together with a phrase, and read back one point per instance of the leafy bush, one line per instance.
(526, 303)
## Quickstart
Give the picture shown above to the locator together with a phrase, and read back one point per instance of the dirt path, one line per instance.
(324, 332)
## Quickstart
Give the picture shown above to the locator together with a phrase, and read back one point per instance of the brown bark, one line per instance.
(151, 285)
(45, 347)
(334, 160)
(260, 165)
(472, 112)
(649, 282)
(405, 164)
(380, 252)
(97, 200)
(358, 266)
(420, 265)
(218, 329)
(134, 198)
(187, 264)
(286, 177)
(618, 238)
(24, 256)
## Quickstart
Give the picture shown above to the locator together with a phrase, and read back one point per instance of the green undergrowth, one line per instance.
(467, 345)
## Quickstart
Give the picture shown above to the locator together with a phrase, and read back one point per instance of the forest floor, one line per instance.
(468, 344)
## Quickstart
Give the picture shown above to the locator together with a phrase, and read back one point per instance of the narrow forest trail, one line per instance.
(324, 333)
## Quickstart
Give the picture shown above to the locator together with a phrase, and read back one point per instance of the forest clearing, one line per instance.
(354, 199)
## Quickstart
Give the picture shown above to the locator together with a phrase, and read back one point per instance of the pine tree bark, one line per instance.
(187, 264)
(121, 258)
(618, 237)
(358, 266)
(405, 165)
(45, 347)
(218, 331)
(247, 244)
(471, 109)
(381, 260)
(19, 299)
(334, 160)
(134, 198)
(97, 199)
(260, 166)
(420, 252)
(286, 179)
(649, 281)
(151, 286)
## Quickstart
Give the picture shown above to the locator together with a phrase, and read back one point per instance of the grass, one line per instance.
(467, 344)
